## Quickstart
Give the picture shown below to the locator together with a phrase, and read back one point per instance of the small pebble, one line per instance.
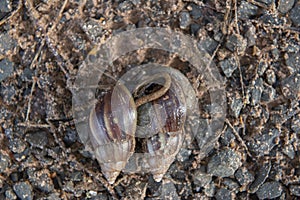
(4, 162)
(269, 190)
(183, 154)
(208, 44)
(231, 185)
(243, 176)
(196, 12)
(261, 144)
(210, 189)
(271, 77)
(285, 6)
(227, 137)
(23, 190)
(4, 7)
(9, 194)
(224, 163)
(261, 177)
(201, 178)
(290, 86)
(294, 15)
(6, 42)
(38, 138)
(223, 194)
(169, 191)
(41, 180)
(16, 145)
(6, 69)
(236, 43)
(295, 190)
(228, 66)
(247, 10)
(268, 93)
(256, 91)
(184, 20)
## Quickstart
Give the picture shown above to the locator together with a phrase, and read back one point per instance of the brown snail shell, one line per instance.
(162, 123)
(112, 131)
(113, 124)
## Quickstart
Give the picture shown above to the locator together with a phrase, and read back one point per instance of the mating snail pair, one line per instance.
(155, 118)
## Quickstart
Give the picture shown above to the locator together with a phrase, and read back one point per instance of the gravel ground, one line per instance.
(255, 46)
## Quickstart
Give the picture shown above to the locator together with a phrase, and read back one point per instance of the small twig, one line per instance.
(236, 17)
(29, 125)
(237, 135)
(241, 76)
(34, 79)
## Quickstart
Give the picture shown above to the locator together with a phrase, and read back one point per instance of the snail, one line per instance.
(113, 124)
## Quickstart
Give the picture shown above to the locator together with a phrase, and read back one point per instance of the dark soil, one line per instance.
(255, 46)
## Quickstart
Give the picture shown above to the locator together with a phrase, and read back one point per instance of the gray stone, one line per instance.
(262, 66)
(285, 6)
(224, 163)
(243, 176)
(6, 69)
(183, 154)
(236, 105)
(23, 190)
(251, 35)
(38, 138)
(9, 194)
(256, 91)
(93, 29)
(290, 86)
(260, 177)
(210, 189)
(236, 43)
(208, 44)
(295, 190)
(5, 6)
(268, 93)
(294, 15)
(223, 194)
(296, 123)
(196, 12)
(184, 20)
(293, 61)
(231, 185)
(271, 77)
(6, 42)
(16, 145)
(41, 180)
(289, 151)
(227, 137)
(228, 66)
(4, 162)
(262, 144)
(247, 10)
(201, 178)
(269, 190)
(169, 191)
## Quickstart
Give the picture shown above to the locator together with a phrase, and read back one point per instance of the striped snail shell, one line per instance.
(112, 131)
(161, 122)
(113, 123)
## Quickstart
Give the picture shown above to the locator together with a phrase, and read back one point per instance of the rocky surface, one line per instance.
(255, 48)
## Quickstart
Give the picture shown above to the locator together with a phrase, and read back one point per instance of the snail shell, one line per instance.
(117, 121)
(112, 131)
(161, 122)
